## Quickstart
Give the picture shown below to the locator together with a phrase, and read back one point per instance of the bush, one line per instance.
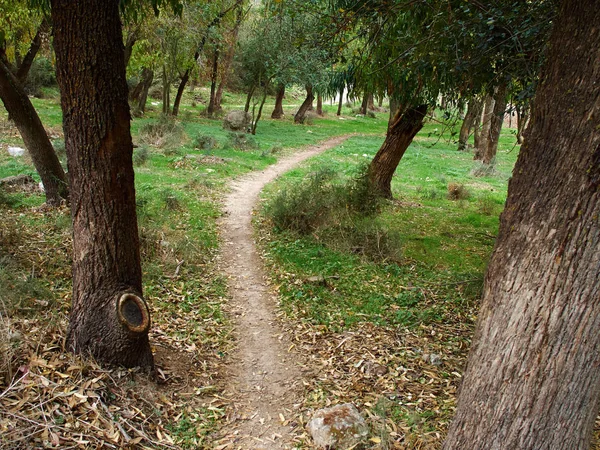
(486, 205)
(242, 141)
(485, 170)
(41, 75)
(205, 142)
(162, 133)
(140, 156)
(457, 191)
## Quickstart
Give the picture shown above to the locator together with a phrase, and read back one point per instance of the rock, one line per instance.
(16, 151)
(340, 427)
(237, 121)
(17, 180)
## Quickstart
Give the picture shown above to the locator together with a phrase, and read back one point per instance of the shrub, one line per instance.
(457, 191)
(486, 205)
(361, 196)
(484, 170)
(162, 133)
(140, 156)
(205, 142)
(41, 75)
(242, 141)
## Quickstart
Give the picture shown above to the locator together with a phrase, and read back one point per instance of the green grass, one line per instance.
(445, 244)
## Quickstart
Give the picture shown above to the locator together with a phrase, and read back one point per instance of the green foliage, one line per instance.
(242, 141)
(140, 156)
(41, 75)
(205, 142)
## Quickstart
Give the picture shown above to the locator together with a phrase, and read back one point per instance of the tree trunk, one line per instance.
(497, 119)
(399, 136)
(341, 102)
(364, 105)
(144, 87)
(278, 110)
(210, 110)
(166, 93)
(132, 38)
(34, 136)
(370, 102)
(319, 105)
(36, 43)
(532, 378)
(477, 126)
(301, 114)
(260, 109)
(473, 111)
(522, 121)
(180, 89)
(249, 98)
(109, 318)
(488, 112)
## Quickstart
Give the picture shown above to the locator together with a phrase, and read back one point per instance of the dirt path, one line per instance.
(265, 376)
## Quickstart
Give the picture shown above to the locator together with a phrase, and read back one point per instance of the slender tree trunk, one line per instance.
(166, 93)
(341, 102)
(399, 136)
(532, 379)
(477, 126)
(522, 121)
(473, 111)
(319, 105)
(34, 136)
(278, 110)
(210, 110)
(249, 98)
(484, 139)
(141, 96)
(132, 38)
(260, 109)
(370, 102)
(36, 43)
(301, 114)
(180, 90)
(109, 318)
(497, 119)
(364, 104)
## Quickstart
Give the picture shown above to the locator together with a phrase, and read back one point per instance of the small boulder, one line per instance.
(16, 151)
(237, 121)
(340, 427)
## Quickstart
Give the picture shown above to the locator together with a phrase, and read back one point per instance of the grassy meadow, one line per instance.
(382, 303)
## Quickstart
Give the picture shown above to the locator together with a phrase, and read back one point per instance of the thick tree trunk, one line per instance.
(34, 136)
(305, 106)
(497, 119)
(278, 110)
(210, 110)
(370, 102)
(532, 378)
(483, 138)
(473, 111)
(25, 65)
(109, 318)
(399, 136)
(364, 105)
(341, 102)
(319, 105)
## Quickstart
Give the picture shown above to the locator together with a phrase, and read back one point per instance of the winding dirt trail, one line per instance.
(265, 380)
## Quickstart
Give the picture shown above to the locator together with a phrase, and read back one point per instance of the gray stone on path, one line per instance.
(338, 428)
(16, 151)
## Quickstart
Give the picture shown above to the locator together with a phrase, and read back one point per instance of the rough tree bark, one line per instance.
(532, 378)
(34, 136)
(490, 148)
(473, 111)
(400, 134)
(278, 110)
(488, 112)
(305, 106)
(109, 318)
(522, 121)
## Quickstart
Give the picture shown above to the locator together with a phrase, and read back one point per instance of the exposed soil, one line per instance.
(265, 378)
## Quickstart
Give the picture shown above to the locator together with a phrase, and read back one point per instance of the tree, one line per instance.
(109, 318)
(21, 110)
(532, 378)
